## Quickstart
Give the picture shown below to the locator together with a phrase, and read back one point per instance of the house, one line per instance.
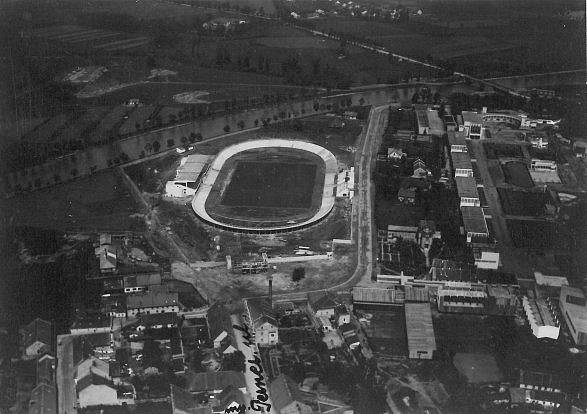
(395, 154)
(215, 382)
(352, 115)
(43, 400)
(157, 321)
(183, 402)
(113, 306)
(158, 300)
(107, 254)
(37, 338)
(322, 304)
(541, 381)
(342, 315)
(89, 324)
(93, 390)
(141, 282)
(287, 397)
(46, 370)
(427, 233)
(220, 329)
(420, 170)
(263, 322)
(350, 336)
(92, 365)
(580, 148)
(229, 400)
(573, 305)
(403, 232)
(547, 401)
(407, 195)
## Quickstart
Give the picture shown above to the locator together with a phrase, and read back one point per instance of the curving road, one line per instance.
(362, 214)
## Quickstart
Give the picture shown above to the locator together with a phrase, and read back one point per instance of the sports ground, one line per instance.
(269, 185)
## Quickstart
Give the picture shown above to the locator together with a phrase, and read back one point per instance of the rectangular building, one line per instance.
(404, 232)
(542, 320)
(467, 190)
(474, 224)
(573, 307)
(420, 331)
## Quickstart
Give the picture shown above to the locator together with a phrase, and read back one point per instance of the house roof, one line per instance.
(321, 301)
(407, 192)
(153, 319)
(540, 379)
(91, 321)
(152, 299)
(43, 400)
(420, 331)
(284, 391)
(38, 330)
(92, 379)
(261, 311)
(472, 117)
(92, 365)
(443, 269)
(105, 238)
(219, 321)
(142, 279)
(46, 370)
(214, 381)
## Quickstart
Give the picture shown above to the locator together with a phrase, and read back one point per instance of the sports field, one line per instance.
(267, 186)
(271, 184)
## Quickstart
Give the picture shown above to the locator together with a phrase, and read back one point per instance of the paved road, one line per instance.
(362, 216)
(248, 353)
(65, 375)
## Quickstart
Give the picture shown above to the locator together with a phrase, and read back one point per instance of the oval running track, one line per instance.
(209, 178)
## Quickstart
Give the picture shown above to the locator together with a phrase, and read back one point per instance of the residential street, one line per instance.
(65, 375)
(248, 353)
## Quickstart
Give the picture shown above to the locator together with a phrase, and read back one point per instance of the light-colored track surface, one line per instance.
(328, 192)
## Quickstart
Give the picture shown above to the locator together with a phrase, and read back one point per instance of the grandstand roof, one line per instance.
(191, 166)
(461, 160)
(474, 220)
(467, 187)
(420, 330)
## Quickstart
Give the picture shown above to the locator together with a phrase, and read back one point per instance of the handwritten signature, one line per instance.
(260, 403)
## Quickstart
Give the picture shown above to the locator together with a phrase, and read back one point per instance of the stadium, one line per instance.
(267, 186)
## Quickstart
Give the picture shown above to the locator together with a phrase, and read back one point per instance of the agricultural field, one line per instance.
(538, 235)
(524, 203)
(495, 151)
(96, 203)
(516, 173)
(78, 37)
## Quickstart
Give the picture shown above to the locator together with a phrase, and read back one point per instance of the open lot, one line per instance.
(497, 150)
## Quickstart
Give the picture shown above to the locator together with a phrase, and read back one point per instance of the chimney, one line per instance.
(270, 279)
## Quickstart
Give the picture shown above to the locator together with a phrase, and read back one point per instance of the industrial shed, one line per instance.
(420, 331)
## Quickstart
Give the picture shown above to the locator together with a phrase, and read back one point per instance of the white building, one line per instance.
(263, 322)
(487, 260)
(542, 165)
(186, 181)
(543, 322)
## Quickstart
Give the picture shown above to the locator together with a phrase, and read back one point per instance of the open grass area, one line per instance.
(271, 184)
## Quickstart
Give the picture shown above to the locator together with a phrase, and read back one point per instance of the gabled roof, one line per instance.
(46, 370)
(92, 379)
(38, 330)
(152, 299)
(219, 321)
(284, 391)
(321, 301)
(43, 400)
(214, 381)
(261, 311)
(93, 365)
